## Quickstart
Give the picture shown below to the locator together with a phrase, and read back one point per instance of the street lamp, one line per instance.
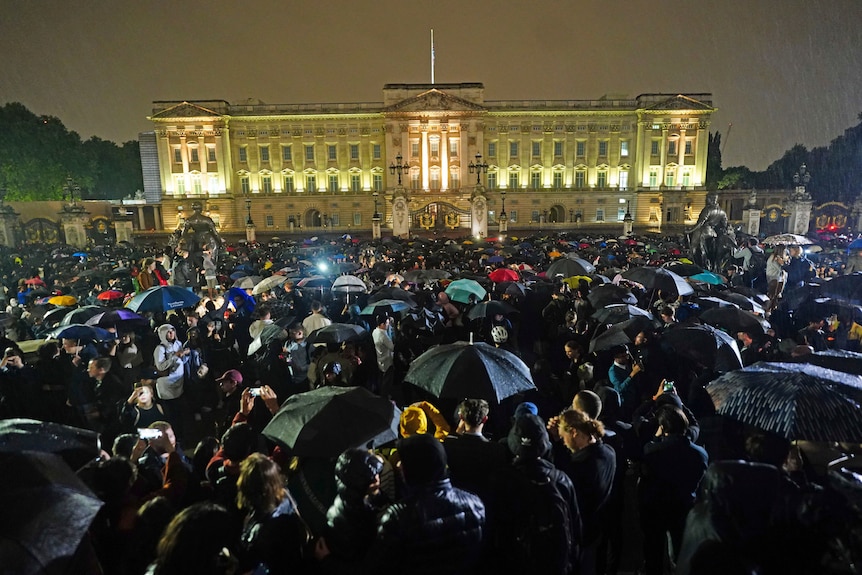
(376, 215)
(504, 217)
(628, 220)
(248, 220)
(398, 168)
(479, 167)
(801, 179)
(571, 216)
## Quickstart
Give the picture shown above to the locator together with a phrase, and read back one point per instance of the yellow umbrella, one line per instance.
(685, 261)
(63, 300)
(575, 281)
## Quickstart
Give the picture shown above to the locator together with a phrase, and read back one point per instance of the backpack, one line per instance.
(542, 528)
(757, 261)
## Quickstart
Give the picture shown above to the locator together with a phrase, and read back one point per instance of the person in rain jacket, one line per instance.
(169, 357)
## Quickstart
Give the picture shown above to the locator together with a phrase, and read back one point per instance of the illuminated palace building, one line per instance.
(432, 157)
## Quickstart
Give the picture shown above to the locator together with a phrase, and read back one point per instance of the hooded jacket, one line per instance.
(169, 386)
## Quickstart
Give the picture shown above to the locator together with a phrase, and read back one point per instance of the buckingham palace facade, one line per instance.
(538, 164)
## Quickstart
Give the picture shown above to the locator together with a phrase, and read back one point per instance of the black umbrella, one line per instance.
(711, 302)
(391, 293)
(706, 345)
(476, 370)
(82, 333)
(795, 401)
(847, 288)
(683, 269)
(607, 294)
(335, 333)
(54, 316)
(328, 420)
(825, 307)
(568, 267)
(659, 278)
(619, 312)
(82, 314)
(490, 309)
(418, 276)
(734, 320)
(741, 301)
(835, 359)
(47, 510)
(622, 333)
(75, 445)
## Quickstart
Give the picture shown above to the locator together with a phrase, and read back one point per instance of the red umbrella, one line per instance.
(503, 275)
(35, 282)
(110, 295)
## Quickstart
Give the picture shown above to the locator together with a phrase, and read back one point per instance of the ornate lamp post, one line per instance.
(375, 219)
(799, 204)
(504, 217)
(801, 179)
(628, 220)
(250, 232)
(73, 216)
(479, 167)
(398, 168)
(71, 192)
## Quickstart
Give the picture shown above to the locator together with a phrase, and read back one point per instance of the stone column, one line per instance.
(8, 219)
(124, 229)
(479, 213)
(250, 232)
(751, 216)
(375, 227)
(799, 208)
(857, 213)
(73, 218)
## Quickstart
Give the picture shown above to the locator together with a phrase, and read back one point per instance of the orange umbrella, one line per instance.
(554, 254)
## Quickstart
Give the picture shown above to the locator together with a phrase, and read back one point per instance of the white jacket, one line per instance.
(171, 385)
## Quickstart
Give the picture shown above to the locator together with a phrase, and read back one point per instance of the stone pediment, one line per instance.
(185, 110)
(680, 102)
(435, 101)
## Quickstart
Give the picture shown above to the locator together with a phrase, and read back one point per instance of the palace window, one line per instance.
(514, 180)
(288, 184)
(264, 153)
(536, 149)
(178, 155)
(669, 178)
(354, 151)
(653, 150)
(535, 180)
(180, 185)
(602, 179)
(671, 148)
(211, 154)
(332, 152)
(492, 149)
(653, 178)
(266, 184)
(414, 149)
(688, 147)
(581, 148)
(624, 179)
(375, 151)
(558, 149)
(513, 149)
(603, 148)
(492, 180)
(195, 157)
(270, 221)
(377, 182)
(558, 180)
(333, 182)
(454, 180)
(311, 183)
(600, 214)
(243, 154)
(624, 148)
(244, 185)
(355, 183)
(580, 178)
(453, 148)
(286, 153)
(309, 152)
(435, 147)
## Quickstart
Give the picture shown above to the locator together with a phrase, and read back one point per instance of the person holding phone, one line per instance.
(140, 409)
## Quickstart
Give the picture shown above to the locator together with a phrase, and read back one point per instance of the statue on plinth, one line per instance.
(199, 233)
(712, 240)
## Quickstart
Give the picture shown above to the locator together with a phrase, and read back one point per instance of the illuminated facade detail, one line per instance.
(558, 156)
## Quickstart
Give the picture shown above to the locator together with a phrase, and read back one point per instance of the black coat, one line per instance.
(672, 469)
(592, 473)
(436, 529)
(276, 540)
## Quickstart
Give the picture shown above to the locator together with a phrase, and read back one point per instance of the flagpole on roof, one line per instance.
(432, 55)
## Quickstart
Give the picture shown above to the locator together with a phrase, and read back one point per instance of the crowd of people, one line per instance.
(538, 482)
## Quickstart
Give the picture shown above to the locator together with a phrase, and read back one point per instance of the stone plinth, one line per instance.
(479, 213)
(400, 213)
(74, 219)
(751, 220)
(800, 215)
(8, 219)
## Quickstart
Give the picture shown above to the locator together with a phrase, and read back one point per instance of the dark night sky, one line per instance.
(782, 72)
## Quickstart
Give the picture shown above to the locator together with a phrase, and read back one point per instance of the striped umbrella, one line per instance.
(795, 401)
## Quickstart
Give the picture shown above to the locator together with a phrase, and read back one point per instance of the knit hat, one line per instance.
(423, 459)
(528, 438)
(413, 421)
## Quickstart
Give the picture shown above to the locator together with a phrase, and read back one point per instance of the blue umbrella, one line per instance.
(237, 293)
(708, 278)
(163, 298)
(81, 332)
(855, 245)
(496, 259)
